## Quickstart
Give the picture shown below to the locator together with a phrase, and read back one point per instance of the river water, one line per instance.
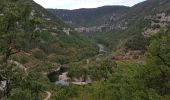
(101, 48)
(54, 76)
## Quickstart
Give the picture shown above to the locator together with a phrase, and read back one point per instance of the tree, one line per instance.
(14, 15)
(158, 63)
(11, 29)
(137, 42)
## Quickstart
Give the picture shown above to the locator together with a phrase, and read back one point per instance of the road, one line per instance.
(48, 95)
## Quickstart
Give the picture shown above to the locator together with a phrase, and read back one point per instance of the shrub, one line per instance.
(24, 60)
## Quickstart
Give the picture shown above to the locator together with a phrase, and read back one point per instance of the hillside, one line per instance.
(33, 43)
(43, 29)
(66, 39)
(115, 26)
(126, 56)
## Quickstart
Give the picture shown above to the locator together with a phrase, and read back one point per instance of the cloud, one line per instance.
(75, 4)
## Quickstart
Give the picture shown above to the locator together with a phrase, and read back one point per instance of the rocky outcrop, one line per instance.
(91, 29)
(83, 80)
(157, 21)
(102, 28)
(1, 14)
(63, 76)
(133, 55)
(67, 31)
(3, 85)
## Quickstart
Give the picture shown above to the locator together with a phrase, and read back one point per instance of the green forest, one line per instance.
(34, 44)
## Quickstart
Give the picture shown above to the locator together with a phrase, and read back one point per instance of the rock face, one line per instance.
(83, 80)
(63, 76)
(133, 55)
(157, 21)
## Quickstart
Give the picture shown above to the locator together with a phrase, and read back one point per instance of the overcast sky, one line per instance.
(75, 4)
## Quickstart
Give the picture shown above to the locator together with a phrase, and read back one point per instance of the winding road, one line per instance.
(48, 95)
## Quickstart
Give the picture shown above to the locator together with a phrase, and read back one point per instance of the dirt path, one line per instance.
(80, 83)
(19, 65)
(48, 95)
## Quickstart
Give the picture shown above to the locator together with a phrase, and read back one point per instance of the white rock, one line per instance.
(1, 14)
(3, 85)
(67, 31)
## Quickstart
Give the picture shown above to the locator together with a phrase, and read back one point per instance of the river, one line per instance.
(101, 48)
(59, 76)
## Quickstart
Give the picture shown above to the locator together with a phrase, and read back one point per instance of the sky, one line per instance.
(76, 4)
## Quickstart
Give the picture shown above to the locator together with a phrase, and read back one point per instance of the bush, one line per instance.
(137, 42)
(77, 71)
(20, 94)
(104, 70)
(61, 59)
(24, 60)
(39, 55)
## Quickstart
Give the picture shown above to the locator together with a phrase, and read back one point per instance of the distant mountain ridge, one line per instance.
(92, 17)
(110, 18)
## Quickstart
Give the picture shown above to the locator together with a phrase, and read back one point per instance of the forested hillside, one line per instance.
(43, 58)
(34, 42)
(121, 24)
